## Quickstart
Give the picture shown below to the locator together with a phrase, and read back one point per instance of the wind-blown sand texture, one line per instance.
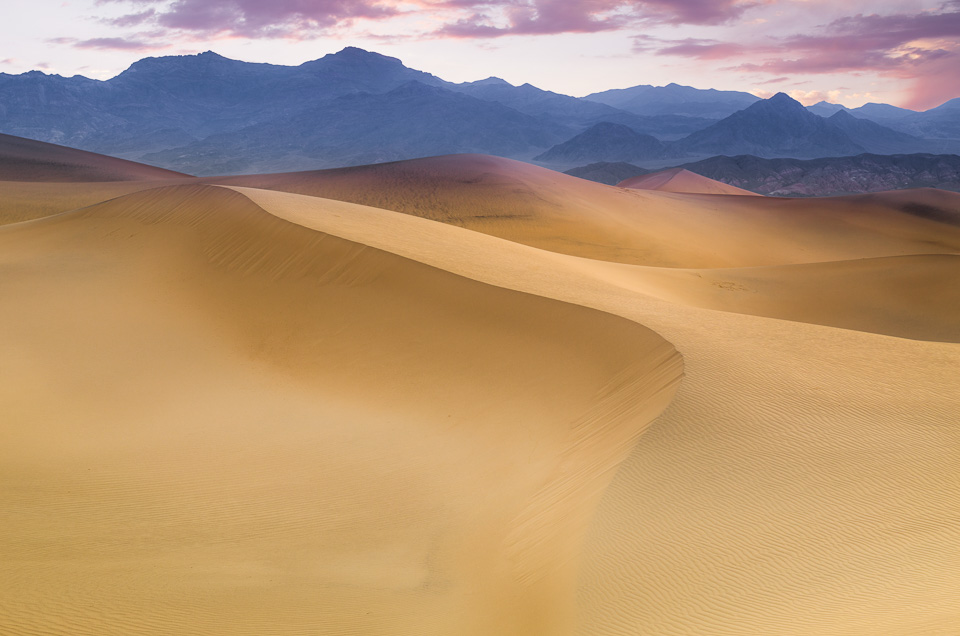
(682, 180)
(450, 402)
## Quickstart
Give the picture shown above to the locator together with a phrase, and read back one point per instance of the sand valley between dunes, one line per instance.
(465, 395)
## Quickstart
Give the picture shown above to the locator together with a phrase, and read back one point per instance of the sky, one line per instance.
(900, 52)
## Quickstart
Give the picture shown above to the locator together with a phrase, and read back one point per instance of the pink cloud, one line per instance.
(533, 17)
(132, 19)
(116, 44)
(703, 49)
(256, 18)
(110, 44)
(460, 18)
(919, 47)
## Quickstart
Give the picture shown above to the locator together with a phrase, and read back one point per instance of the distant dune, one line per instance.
(680, 180)
(545, 209)
(28, 160)
(38, 179)
(467, 395)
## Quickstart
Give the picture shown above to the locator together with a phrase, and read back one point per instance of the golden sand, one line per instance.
(444, 397)
(682, 180)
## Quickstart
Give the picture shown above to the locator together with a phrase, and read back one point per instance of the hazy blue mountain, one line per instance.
(536, 102)
(605, 142)
(775, 127)
(191, 112)
(825, 109)
(942, 122)
(412, 120)
(674, 99)
(873, 137)
(186, 110)
(51, 108)
(610, 173)
(881, 112)
(575, 111)
(833, 175)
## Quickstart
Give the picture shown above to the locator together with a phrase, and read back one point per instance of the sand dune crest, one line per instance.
(682, 180)
(304, 434)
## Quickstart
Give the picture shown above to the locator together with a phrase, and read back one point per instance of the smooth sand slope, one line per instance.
(907, 296)
(217, 421)
(682, 180)
(804, 481)
(29, 160)
(253, 411)
(557, 212)
(38, 179)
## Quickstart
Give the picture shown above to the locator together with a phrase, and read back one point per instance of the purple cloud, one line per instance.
(110, 44)
(256, 18)
(536, 17)
(464, 18)
(907, 46)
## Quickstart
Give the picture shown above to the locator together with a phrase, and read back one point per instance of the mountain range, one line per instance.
(942, 122)
(776, 127)
(206, 114)
(827, 176)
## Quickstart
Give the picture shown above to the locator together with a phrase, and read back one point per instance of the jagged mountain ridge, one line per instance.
(828, 176)
(776, 127)
(190, 112)
(675, 99)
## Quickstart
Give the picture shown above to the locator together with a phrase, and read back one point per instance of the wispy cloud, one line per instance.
(538, 17)
(456, 18)
(906, 46)
(253, 18)
(111, 44)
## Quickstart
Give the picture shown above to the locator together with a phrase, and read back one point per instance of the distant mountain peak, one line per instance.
(783, 98)
(779, 103)
(492, 81)
(355, 53)
(606, 141)
(198, 60)
(841, 115)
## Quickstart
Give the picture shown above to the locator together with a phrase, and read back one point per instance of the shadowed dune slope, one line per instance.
(29, 160)
(682, 180)
(217, 421)
(803, 481)
(38, 179)
(557, 212)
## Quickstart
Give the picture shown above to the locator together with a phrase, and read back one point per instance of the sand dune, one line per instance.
(300, 404)
(39, 179)
(682, 180)
(260, 428)
(29, 160)
(557, 212)
(27, 200)
(907, 296)
(849, 436)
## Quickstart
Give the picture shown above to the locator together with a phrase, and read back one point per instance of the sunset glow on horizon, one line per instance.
(905, 53)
